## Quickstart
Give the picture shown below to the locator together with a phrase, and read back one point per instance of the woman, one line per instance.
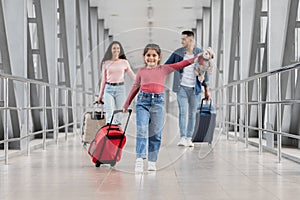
(112, 89)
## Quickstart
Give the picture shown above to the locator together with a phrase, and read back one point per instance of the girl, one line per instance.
(112, 89)
(150, 81)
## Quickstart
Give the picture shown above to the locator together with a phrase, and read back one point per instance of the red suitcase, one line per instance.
(107, 146)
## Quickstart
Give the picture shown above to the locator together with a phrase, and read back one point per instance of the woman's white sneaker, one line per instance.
(139, 165)
(151, 166)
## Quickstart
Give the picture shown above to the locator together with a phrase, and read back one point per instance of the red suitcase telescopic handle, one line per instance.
(120, 111)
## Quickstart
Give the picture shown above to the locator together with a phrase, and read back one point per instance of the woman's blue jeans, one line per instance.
(150, 122)
(114, 98)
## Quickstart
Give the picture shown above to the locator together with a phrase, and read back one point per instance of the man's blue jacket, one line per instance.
(178, 56)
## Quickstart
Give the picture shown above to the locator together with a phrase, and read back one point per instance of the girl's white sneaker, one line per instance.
(139, 165)
(151, 166)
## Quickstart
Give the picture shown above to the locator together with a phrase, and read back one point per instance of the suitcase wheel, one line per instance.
(113, 164)
(98, 163)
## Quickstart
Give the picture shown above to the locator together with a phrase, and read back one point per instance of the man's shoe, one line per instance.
(189, 142)
(139, 165)
(151, 166)
(182, 142)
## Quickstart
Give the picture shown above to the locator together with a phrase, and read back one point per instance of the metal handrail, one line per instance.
(224, 106)
(267, 130)
(260, 75)
(37, 82)
(26, 108)
(285, 102)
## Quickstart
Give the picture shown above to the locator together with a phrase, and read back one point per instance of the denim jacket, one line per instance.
(178, 56)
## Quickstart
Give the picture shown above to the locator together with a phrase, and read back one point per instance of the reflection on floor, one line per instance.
(225, 170)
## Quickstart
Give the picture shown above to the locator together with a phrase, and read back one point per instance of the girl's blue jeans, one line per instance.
(150, 122)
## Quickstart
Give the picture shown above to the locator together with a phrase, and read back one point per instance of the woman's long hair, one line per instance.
(108, 54)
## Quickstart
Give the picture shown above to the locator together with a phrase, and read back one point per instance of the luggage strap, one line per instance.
(114, 129)
(114, 137)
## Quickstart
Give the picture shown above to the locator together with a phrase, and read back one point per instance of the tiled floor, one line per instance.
(225, 170)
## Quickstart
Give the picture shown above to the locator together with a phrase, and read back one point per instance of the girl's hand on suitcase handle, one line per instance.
(127, 110)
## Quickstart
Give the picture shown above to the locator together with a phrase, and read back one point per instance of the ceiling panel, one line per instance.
(137, 22)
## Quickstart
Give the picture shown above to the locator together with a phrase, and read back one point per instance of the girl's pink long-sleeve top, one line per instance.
(153, 80)
(113, 72)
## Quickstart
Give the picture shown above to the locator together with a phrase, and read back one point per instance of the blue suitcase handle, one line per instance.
(210, 99)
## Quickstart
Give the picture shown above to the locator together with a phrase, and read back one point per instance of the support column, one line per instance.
(101, 49)
(80, 70)
(37, 56)
(106, 39)
(206, 27)
(63, 69)
(6, 27)
(290, 80)
(279, 15)
(199, 36)
(233, 48)
(70, 17)
(85, 34)
(93, 17)
(217, 20)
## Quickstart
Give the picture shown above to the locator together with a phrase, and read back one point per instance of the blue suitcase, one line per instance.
(205, 123)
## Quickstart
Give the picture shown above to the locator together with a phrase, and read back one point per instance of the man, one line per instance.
(187, 87)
